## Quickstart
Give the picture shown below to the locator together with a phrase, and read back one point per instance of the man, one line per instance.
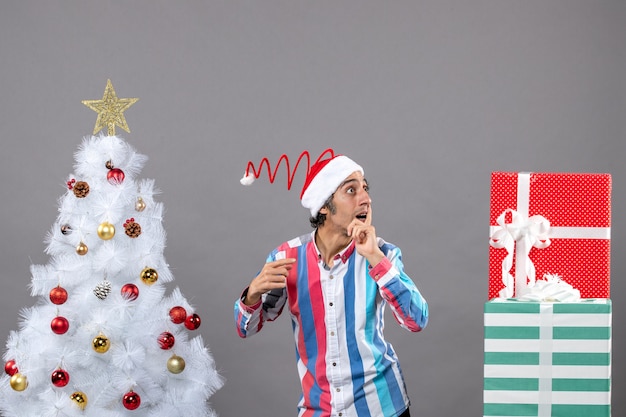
(336, 282)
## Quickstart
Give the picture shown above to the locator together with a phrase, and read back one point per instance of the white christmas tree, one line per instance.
(105, 337)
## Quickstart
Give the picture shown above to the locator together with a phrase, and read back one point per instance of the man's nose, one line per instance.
(364, 197)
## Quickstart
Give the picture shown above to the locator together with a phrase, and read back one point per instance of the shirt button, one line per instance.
(340, 414)
(330, 304)
(331, 277)
(338, 389)
(332, 333)
(334, 363)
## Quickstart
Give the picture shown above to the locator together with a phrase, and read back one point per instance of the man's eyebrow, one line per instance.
(351, 180)
(348, 181)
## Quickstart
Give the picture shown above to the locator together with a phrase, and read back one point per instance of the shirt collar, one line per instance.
(344, 255)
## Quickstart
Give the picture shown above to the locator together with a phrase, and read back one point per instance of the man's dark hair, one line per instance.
(317, 221)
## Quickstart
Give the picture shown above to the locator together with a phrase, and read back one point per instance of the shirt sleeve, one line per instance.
(406, 302)
(249, 320)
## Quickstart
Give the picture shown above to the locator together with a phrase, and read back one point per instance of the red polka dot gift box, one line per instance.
(549, 223)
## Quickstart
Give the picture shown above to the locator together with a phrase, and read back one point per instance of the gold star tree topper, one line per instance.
(110, 110)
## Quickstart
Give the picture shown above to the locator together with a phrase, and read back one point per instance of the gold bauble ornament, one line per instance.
(175, 364)
(80, 399)
(19, 382)
(82, 249)
(140, 205)
(106, 231)
(149, 276)
(101, 343)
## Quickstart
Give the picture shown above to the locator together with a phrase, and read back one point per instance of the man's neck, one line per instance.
(330, 243)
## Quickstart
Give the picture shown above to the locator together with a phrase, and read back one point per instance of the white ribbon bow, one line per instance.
(551, 288)
(526, 233)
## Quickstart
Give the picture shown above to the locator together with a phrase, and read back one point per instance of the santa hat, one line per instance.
(322, 178)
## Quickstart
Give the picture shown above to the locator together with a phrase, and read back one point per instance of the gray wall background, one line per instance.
(429, 97)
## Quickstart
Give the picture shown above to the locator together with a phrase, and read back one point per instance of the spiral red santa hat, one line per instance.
(322, 178)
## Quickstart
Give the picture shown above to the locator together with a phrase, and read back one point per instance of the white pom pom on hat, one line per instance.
(247, 179)
(322, 178)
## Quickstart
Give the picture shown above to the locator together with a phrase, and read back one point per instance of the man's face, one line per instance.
(351, 201)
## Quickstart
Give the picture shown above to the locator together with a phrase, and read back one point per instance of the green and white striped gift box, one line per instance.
(547, 359)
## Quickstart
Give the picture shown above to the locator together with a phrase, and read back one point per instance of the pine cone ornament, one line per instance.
(81, 189)
(131, 228)
(102, 290)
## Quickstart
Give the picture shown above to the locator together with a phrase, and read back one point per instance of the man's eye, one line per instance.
(350, 190)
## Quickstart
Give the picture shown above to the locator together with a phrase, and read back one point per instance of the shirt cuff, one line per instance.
(381, 269)
(250, 309)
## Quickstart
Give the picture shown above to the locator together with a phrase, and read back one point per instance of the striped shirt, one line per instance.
(346, 367)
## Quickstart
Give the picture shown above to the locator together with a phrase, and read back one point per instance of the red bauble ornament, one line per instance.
(59, 325)
(193, 322)
(10, 367)
(166, 340)
(178, 314)
(131, 400)
(130, 292)
(115, 176)
(58, 295)
(60, 378)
